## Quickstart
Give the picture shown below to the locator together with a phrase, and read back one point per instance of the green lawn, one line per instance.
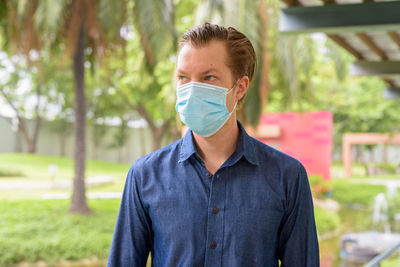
(346, 192)
(43, 230)
(32, 229)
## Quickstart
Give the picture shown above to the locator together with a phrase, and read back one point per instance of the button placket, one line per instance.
(215, 223)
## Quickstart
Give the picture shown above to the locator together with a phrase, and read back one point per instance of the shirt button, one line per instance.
(215, 210)
(208, 175)
(213, 245)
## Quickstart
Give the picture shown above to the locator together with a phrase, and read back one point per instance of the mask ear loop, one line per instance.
(234, 107)
(236, 102)
(234, 85)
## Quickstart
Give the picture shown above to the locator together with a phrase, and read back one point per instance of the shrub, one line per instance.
(319, 187)
(11, 173)
(326, 220)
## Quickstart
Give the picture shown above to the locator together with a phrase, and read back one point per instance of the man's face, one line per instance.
(206, 64)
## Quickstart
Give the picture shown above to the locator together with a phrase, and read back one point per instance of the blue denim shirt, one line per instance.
(255, 210)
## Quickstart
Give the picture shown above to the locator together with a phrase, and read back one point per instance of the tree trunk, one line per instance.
(78, 201)
(22, 129)
(38, 119)
(158, 133)
(30, 144)
(385, 153)
(157, 136)
(63, 141)
(142, 141)
(35, 135)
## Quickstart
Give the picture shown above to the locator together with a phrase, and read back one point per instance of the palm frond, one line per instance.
(110, 22)
(155, 25)
(212, 11)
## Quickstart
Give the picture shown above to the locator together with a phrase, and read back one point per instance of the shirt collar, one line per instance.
(244, 147)
(187, 146)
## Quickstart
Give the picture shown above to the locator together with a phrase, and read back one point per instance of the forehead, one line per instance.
(200, 58)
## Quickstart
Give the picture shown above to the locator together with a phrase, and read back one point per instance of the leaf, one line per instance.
(155, 25)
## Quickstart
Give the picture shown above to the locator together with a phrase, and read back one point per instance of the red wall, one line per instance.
(305, 136)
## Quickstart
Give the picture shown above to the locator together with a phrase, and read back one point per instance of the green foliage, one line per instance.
(112, 15)
(387, 167)
(393, 208)
(391, 262)
(319, 186)
(11, 173)
(326, 220)
(291, 71)
(42, 230)
(346, 192)
(155, 24)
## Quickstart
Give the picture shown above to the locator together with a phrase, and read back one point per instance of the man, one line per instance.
(216, 197)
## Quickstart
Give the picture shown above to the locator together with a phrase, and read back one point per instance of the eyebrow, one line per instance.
(209, 71)
(203, 73)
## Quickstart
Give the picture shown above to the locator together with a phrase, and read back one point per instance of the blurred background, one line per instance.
(88, 86)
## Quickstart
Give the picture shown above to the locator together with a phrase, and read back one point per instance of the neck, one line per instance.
(216, 149)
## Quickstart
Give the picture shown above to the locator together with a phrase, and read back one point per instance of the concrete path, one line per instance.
(24, 184)
(90, 195)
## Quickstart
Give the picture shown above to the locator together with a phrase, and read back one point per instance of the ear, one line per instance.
(243, 84)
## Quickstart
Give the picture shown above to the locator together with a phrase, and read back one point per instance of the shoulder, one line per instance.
(287, 173)
(268, 155)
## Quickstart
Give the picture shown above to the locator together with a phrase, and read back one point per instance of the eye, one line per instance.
(209, 78)
(181, 78)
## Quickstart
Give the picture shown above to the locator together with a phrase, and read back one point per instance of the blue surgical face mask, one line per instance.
(202, 107)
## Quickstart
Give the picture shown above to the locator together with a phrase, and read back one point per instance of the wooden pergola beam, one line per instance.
(350, 139)
(358, 17)
(389, 82)
(367, 40)
(395, 37)
(343, 43)
(371, 44)
(329, 2)
(375, 68)
(292, 2)
(392, 93)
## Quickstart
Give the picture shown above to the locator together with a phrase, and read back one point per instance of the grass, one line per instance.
(35, 167)
(392, 262)
(349, 193)
(42, 230)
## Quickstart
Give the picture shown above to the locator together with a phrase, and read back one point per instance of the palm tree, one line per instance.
(42, 26)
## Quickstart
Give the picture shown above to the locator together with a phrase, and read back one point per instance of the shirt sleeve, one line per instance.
(298, 241)
(132, 236)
